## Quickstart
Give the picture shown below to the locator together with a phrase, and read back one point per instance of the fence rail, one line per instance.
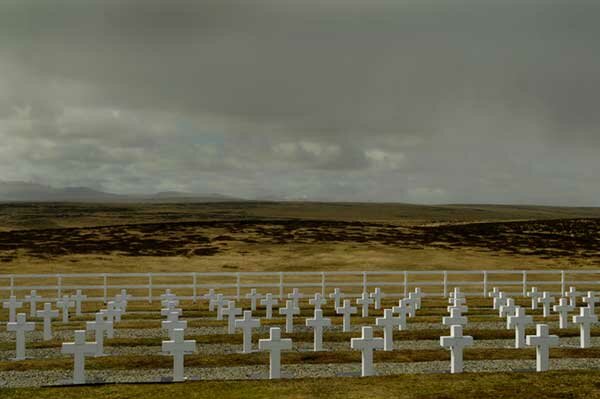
(192, 285)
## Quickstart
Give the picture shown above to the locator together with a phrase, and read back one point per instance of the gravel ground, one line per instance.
(56, 377)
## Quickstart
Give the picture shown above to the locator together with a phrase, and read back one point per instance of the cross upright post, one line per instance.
(336, 295)
(494, 294)
(79, 349)
(456, 342)
(289, 311)
(317, 323)
(365, 302)
(585, 320)
(32, 298)
(100, 327)
(268, 301)
(534, 294)
(563, 308)
(388, 322)
(547, 301)
(64, 304)
(253, 296)
(19, 327)
(231, 311)
(178, 347)
(572, 294)
(519, 322)
(247, 324)
(377, 296)
(402, 310)
(274, 344)
(346, 311)
(542, 342)
(12, 305)
(47, 314)
(367, 344)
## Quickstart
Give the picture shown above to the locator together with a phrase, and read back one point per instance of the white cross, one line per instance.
(591, 300)
(247, 324)
(413, 303)
(231, 311)
(178, 347)
(64, 304)
(364, 301)
(519, 322)
(122, 299)
(317, 301)
(457, 298)
(20, 327)
(507, 310)
(317, 323)
(78, 298)
(585, 319)
(542, 342)
(336, 295)
(274, 345)
(170, 308)
(12, 304)
(563, 308)
(253, 296)
(402, 311)
(417, 295)
(534, 295)
(295, 295)
(220, 302)
(546, 300)
(377, 295)
(268, 301)
(79, 349)
(210, 297)
(32, 298)
(456, 342)
(572, 295)
(113, 312)
(501, 300)
(494, 294)
(172, 325)
(388, 322)
(99, 326)
(289, 311)
(455, 318)
(47, 314)
(367, 344)
(346, 311)
(169, 303)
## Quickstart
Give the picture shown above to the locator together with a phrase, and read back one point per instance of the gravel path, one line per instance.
(56, 377)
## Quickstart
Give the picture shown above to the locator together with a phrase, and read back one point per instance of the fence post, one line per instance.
(445, 284)
(405, 284)
(562, 283)
(59, 286)
(12, 285)
(281, 285)
(485, 283)
(364, 282)
(194, 293)
(149, 287)
(323, 284)
(105, 288)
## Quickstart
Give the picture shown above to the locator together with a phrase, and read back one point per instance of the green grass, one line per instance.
(566, 384)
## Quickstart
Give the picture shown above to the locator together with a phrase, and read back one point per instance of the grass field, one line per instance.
(69, 238)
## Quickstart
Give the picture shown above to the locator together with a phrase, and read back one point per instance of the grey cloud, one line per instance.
(433, 101)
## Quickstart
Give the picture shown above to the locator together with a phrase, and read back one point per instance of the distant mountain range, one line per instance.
(33, 192)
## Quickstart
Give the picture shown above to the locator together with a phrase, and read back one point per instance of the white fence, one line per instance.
(192, 285)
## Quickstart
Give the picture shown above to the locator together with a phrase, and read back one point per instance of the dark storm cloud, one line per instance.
(423, 101)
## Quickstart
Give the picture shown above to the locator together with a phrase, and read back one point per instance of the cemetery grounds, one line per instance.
(290, 237)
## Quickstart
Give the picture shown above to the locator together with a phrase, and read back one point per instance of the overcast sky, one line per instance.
(414, 101)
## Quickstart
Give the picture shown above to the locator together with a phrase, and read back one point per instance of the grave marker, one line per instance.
(274, 344)
(78, 298)
(19, 327)
(231, 311)
(364, 301)
(100, 327)
(295, 296)
(12, 305)
(542, 342)
(32, 298)
(336, 295)
(64, 304)
(79, 349)
(47, 314)
(456, 342)
(172, 325)
(591, 300)
(402, 310)
(317, 301)
(455, 318)
(388, 322)
(534, 295)
(317, 323)
(253, 296)
(346, 311)
(247, 324)
(585, 320)
(268, 301)
(376, 296)
(289, 311)
(367, 344)
(546, 300)
(178, 347)
(563, 308)
(572, 295)
(519, 322)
